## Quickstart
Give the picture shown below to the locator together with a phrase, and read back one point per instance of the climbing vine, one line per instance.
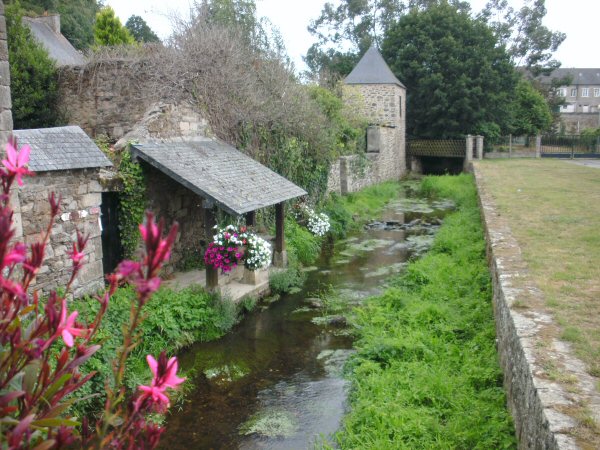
(133, 202)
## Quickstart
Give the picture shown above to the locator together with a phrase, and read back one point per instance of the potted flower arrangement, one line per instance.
(257, 256)
(225, 252)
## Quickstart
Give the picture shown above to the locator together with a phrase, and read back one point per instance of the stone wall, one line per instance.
(172, 202)
(575, 123)
(80, 209)
(541, 407)
(114, 98)
(6, 122)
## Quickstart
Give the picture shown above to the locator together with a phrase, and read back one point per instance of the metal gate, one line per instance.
(570, 146)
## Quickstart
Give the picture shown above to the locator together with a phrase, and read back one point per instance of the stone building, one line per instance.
(374, 92)
(67, 162)
(582, 98)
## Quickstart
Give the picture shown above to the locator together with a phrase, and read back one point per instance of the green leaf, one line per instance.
(56, 386)
(55, 422)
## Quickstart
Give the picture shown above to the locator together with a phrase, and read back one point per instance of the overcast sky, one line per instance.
(579, 19)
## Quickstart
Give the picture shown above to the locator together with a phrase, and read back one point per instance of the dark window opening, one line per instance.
(112, 250)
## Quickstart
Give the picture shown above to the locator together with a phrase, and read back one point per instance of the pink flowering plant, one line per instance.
(43, 345)
(226, 251)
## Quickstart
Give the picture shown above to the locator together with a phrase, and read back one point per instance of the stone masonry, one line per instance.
(6, 122)
(81, 197)
(541, 407)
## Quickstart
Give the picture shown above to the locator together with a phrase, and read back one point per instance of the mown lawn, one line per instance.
(553, 208)
(426, 373)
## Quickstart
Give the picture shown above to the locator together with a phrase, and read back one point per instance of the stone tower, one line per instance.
(382, 100)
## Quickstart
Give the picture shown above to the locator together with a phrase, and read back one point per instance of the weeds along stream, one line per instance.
(277, 380)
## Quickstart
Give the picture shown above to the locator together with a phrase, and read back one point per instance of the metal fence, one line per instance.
(570, 146)
(446, 148)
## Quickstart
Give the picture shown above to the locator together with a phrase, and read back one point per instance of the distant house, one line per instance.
(582, 97)
(46, 30)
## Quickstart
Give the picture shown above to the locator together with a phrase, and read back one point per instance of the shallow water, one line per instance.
(275, 381)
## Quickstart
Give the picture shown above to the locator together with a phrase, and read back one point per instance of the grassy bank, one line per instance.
(174, 319)
(553, 208)
(426, 372)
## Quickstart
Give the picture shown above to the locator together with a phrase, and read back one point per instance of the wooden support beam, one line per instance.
(279, 228)
(212, 274)
(251, 218)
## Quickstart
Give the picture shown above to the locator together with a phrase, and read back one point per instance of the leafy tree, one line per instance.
(77, 18)
(140, 30)
(109, 30)
(33, 84)
(458, 79)
(532, 114)
(241, 16)
(529, 42)
(357, 24)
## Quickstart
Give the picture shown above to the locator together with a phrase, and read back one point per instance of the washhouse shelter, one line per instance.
(189, 180)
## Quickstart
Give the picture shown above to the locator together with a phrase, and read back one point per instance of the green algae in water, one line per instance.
(413, 205)
(309, 269)
(274, 423)
(226, 373)
(369, 245)
(420, 243)
(294, 290)
(386, 270)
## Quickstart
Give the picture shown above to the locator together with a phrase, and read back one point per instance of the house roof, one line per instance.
(582, 76)
(218, 172)
(372, 69)
(58, 47)
(61, 148)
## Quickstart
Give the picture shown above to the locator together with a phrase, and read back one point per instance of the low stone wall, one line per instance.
(526, 338)
(80, 209)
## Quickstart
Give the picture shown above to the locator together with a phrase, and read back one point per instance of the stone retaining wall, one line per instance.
(542, 408)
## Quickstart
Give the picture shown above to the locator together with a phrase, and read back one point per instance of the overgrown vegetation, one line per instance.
(174, 319)
(426, 372)
(132, 202)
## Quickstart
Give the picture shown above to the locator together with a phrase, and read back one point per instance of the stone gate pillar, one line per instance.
(479, 145)
(538, 146)
(468, 152)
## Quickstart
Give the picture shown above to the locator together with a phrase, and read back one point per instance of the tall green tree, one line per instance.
(531, 113)
(459, 80)
(77, 18)
(140, 30)
(356, 25)
(108, 29)
(33, 84)
(529, 42)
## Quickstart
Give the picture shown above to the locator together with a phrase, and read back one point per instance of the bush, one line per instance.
(33, 76)
(284, 281)
(173, 320)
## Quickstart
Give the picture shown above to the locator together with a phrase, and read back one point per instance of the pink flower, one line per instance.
(164, 375)
(17, 255)
(75, 255)
(67, 328)
(16, 161)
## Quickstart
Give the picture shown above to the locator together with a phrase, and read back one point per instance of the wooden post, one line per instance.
(510, 145)
(280, 255)
(212, 274)
(251, 218)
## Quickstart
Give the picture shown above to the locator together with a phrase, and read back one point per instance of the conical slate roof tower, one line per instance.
(372, 69)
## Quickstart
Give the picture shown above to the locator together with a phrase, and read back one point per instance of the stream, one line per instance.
(276, 380)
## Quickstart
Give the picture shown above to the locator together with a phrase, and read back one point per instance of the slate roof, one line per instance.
(58, 47)
(581, 76)
(372, 69)
(219, 172)
(61, 148)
